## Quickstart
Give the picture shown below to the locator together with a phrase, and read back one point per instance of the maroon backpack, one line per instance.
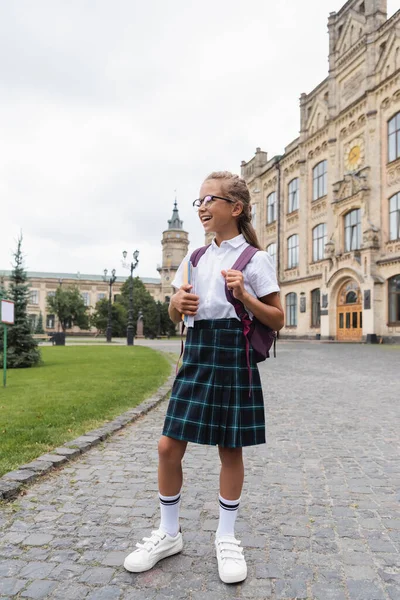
(259, 336)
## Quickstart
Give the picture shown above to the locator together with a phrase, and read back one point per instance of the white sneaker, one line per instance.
(232, 566)
(159, 545)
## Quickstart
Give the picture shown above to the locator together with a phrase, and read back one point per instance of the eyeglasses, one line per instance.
(207, 200)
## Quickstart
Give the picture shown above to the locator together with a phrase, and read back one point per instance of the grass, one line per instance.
(75, 390)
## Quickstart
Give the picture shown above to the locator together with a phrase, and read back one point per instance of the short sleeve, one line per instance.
(261, 274)
(178, 279)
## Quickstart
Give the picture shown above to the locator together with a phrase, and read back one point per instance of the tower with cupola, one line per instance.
(175, 244)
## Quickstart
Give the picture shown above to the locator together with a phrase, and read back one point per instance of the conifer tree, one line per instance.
(39, 326)
(22, 349)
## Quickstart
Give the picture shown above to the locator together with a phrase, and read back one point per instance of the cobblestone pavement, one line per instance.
(319, 517)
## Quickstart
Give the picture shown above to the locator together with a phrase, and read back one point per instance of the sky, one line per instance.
(110, 110)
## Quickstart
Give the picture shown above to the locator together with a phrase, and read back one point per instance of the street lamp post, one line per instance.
(131, 266)
(110, 282)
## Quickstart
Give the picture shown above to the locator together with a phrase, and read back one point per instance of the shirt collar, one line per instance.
(234, 242)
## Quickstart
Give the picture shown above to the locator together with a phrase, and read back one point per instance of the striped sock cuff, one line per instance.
(169, 500)
(230, 505)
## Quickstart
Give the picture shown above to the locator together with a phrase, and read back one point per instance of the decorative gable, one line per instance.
(318, 116)
(389, 57)
(352, 32)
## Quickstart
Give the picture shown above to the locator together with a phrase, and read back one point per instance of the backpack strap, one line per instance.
(197, 254)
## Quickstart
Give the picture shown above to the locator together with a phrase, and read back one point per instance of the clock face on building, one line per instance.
(354, 155)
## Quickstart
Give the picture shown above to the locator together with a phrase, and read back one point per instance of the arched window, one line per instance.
(394, 137)
(352, 230)
(316, 308)
(394, 217)
(351, 298)
(394, 300)
(271, 208)
(271, 250)
(293, 251)
(291, 310)
(319, 241)
(320, 180)
(294, 194)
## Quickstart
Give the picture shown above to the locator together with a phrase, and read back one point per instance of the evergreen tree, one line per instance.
(39, 326)
(22, 349)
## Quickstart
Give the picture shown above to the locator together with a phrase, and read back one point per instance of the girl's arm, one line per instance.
(267, 309)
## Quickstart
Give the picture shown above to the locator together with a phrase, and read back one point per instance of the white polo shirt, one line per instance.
(208, 283)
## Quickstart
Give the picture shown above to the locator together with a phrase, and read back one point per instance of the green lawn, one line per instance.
(75, 390)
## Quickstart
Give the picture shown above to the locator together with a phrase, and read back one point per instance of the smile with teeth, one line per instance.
(205, 218)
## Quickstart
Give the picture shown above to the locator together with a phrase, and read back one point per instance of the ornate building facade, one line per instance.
(328, 209)
(92, 287)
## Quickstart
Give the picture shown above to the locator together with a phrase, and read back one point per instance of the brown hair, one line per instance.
(236, 188)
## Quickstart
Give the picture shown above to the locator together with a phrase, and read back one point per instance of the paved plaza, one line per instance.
(319, 517)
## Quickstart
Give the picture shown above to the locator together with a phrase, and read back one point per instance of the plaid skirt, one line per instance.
(211, 400)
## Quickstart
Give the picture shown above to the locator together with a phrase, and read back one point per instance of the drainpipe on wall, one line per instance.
(278, 220)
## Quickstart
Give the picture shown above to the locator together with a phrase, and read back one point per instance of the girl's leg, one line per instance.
(170, 452)
(231, 483)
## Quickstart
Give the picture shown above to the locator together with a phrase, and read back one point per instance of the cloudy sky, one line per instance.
(108, 106)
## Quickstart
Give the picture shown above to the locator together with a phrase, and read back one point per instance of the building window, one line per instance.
(352, 230)
(291, 310)
(316, 308)
(254, 215)
(394, 217)
(86, 298)
(293, 251)
(320, 180)
(271, 250)
(34, 297)
(68, 324)
(394, 300)
(101, 296)
(319, 241)
(50, 321)
(394, 137)
(51, 294)
(294, 194)
(32, 322)
(271, 208)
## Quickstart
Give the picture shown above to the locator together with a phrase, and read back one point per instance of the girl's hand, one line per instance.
(185, 303)
(235, 282)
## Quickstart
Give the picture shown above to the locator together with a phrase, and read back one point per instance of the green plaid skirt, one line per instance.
(211, 400)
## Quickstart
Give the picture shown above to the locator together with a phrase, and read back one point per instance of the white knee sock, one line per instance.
(228, 510)
(169, 506)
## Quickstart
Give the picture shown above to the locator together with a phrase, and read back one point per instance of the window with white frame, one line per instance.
(101, 296)
(352, 230)
(319, 241)
(294, 193)
(293, 251)
(271, 208)
(50, 321)
(86, 298)
(291, 310)
(394, 217)
(320, 180)
(271, 250)
(32, 322)
(34, 297)
(394, 300)
(394, 137)
(51, 294)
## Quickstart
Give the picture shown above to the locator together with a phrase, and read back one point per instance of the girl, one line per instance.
(214, 400)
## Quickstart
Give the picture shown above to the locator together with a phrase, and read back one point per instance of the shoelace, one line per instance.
(152, 541)
(230, 549)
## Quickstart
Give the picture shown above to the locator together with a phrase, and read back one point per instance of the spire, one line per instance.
(175, 222)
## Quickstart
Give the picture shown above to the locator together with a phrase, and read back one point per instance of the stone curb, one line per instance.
(12, 483)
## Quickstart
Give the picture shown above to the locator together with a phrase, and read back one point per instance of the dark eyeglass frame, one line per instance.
(200, 201)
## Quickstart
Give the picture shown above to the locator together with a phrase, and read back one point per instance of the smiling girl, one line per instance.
(214, 400)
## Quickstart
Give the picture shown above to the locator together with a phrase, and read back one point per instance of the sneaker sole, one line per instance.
(232, 578)
(141, 568)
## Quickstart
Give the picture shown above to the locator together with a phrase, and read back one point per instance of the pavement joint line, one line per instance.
(14, 482)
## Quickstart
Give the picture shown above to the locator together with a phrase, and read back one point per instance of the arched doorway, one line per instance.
(349, 313)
